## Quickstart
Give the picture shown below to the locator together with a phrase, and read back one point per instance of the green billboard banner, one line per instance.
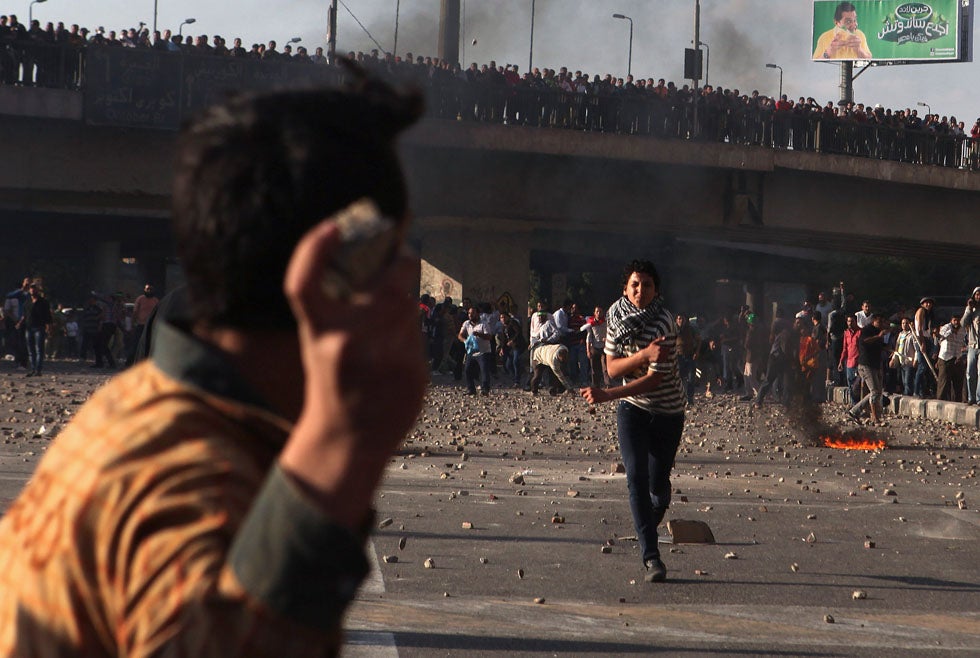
(886, 30)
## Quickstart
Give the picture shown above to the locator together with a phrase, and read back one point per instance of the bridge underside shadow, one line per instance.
(550, 263)
(78, 252)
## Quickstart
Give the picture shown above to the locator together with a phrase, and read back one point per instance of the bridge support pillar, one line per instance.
(105, 266)
(486, 266)
(755, 298)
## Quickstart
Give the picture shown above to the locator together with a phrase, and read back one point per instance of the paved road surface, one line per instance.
(792, 519)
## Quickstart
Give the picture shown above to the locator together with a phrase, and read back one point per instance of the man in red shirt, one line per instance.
(849, 355)
(142, 308)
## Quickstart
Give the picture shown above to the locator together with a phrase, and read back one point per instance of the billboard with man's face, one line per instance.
(886, 30)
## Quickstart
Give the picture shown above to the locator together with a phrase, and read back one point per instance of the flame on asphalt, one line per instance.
(853, 442)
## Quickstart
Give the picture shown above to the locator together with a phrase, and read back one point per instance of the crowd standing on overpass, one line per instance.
(54, 56)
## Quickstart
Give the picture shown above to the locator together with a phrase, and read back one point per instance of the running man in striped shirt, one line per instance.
(640, 341)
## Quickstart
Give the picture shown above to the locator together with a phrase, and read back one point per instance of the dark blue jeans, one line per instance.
(481, 363)
(686, 366)
(512, 364)
(648, 443)
(35, 347)
(908, 380)
(922, 372)
(972, 385)
(852, 374)
(775, 371)
(729, 364)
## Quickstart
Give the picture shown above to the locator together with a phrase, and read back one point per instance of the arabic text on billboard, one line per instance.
(885, 30)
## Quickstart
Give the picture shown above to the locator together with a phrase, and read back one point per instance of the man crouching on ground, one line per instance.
(214, 500)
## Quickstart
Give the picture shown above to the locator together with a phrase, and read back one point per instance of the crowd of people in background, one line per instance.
(107, 328)
(54, 56)
(831, 341)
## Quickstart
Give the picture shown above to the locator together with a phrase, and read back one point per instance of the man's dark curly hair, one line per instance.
(257, 172)
(641, 267)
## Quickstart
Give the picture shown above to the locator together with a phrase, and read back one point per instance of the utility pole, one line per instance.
(398, 6)
(449, 31)
(697, 46)
(847, 81)
(332, 32)
(530, 57)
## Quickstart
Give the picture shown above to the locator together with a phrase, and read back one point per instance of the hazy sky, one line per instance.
(742, 36)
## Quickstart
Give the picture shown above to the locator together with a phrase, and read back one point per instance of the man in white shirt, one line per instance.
(542, 326)
(475, 336)
(949, 374)
(863, 316)
(72, 336)
(561, 318)
(971, 324)
(595, 328)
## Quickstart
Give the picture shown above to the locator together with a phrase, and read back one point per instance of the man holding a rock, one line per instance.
(214, 499)
(640, 339)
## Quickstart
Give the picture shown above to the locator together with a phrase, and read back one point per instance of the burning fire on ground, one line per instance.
(853, 442)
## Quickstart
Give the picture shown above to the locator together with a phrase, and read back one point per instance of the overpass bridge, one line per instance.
(493, 200)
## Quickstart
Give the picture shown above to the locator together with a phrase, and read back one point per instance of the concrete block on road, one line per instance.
(909, 406)
(961, 414)
(690, 532)
(951, 412)
(838, 394)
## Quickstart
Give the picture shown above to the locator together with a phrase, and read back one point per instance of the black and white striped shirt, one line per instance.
(669, 397)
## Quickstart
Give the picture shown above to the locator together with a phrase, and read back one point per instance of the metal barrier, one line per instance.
(38, 64)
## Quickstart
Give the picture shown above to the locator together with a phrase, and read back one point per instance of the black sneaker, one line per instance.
(656, 571)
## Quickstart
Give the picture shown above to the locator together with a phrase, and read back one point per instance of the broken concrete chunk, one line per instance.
(690, 532)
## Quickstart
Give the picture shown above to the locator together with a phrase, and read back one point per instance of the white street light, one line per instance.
(187, 21)
(925, 105)
(629, 62)
(776, 66)
(30, 12)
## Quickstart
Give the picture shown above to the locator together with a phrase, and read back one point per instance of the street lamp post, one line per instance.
(629, 61)
(187, 21)
(332, 32)
(925, 105)
(30, 12)
(697, 75)
(777, 66)
(398, 6)
(530, 57)
(155, 15)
